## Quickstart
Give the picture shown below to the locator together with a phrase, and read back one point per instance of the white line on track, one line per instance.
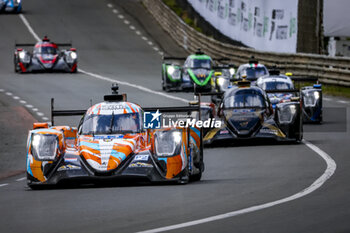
(150, 43)
(126, 22)
(138, 33)
(155, 48)
(109, 5)
(115, 11)
(27, 105)
(145, 89)
(2, 90)
(30, 29)
(2, 185)
(326, 99)
(20, 179)
(144, 38)
(132, 27)
(331, 167)
(343, 101)
(121, 16)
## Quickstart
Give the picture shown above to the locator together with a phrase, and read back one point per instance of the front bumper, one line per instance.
(78, 171)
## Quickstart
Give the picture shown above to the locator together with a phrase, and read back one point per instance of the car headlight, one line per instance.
(22, 55)
(44, 146)
(232, 71)
(171, 70)
(317, 95)
(174, 72)
(286, 113)
(310, 98)
(167, 143)
(220, 81)
(73, 55)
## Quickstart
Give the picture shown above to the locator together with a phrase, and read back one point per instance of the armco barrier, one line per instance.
(330, 70)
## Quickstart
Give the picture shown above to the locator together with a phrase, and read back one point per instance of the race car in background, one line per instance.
(46, 57)
(246, 113)
(13, 6)
(110, 143)
(251, 71)
(280, 88)
(223, 76)
(195, 72)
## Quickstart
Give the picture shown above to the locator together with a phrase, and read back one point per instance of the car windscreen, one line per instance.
(201, 63)
(111, 124)
(244, 99)
(255, 72)
(276, 85)
(46, 50)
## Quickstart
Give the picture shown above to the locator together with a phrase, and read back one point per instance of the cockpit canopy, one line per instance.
(198, 61)
(111, 124)
(245, 98)
(112, 118)
(201, 63)
(45, 48)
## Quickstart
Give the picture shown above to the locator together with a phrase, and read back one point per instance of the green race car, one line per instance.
(196, 72)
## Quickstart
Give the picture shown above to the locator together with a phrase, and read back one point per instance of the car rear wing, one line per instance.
(291, 91)
(304, 79)
(283, 91)
(33, 44)
(174, 58)
(57, 113)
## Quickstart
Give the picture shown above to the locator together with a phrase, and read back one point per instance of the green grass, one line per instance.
(182, 14)
(336, 90)
(328, 89)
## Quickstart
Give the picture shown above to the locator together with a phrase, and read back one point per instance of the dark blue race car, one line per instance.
(14, 6)
(246, 113)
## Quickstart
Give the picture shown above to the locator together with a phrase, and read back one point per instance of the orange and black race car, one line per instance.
(112, 142)
(46, 57)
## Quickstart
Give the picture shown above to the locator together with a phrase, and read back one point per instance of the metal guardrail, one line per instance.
(329, 70)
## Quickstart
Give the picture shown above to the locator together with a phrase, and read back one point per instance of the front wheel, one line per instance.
(74, 70)
(196, 177)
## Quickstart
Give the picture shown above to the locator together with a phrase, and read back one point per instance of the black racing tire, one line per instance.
(163, 83)
(75, 70)
(196, 177)
(15, 10)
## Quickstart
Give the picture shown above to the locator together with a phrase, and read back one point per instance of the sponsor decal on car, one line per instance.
(141, 158)
(68, 167)
(140, 164)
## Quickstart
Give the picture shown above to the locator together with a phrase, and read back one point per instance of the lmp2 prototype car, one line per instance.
(46, 57)
(13, 6)
(110, 143)
(278, 86)
(251, 71)
(196, 72)
(222, 78)
(246, 113)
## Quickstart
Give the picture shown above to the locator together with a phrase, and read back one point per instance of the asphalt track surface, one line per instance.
(236, 177)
